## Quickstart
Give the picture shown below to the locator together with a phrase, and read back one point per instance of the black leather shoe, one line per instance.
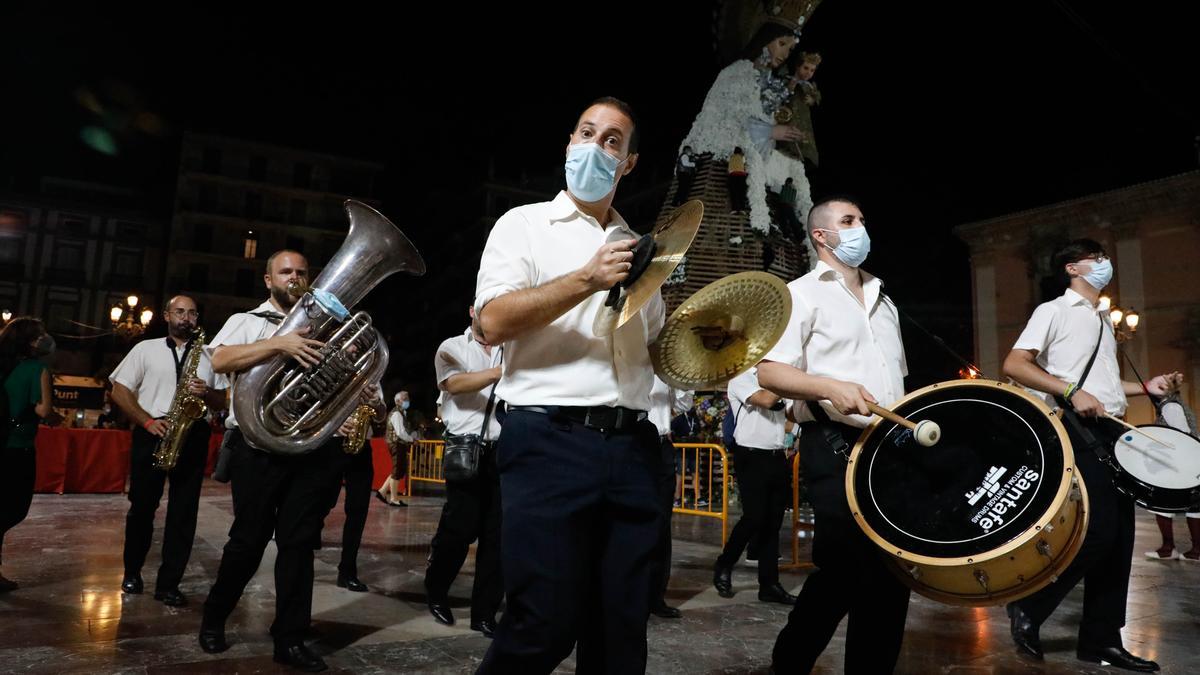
(171, 598)
(1118, 657)
(132, 584)
(351, 583)
(7, 585)
(441, 612)
(485, 626)
(723, 580)
(300, 658)
(663, 611)
(776, 593)
(212, 640)
(399, 503)
(1025, 632)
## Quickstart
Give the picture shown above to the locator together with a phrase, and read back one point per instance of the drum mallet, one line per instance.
(927, 432)
(1136, 430)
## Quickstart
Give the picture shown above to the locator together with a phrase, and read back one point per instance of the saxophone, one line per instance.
(186, 408)
(360, 419)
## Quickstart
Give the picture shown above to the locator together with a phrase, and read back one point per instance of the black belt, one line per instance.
(605, 419)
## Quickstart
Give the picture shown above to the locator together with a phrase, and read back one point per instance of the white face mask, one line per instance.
(1098, 274)
(854, 245)
(591, 172)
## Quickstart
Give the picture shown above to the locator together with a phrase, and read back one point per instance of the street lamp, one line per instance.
(6, 315)
(123, 322)
(1124, 321)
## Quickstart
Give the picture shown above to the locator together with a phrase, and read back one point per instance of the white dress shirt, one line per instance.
(400, 426)
(756, 427)
(463, 413)
(830, 334)
(666, 402)
(564, 363)
(148, 370)
(242, 329)
(1064, 332)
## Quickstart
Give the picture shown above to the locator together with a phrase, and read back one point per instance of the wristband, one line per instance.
(1071, 390)
(147, 423)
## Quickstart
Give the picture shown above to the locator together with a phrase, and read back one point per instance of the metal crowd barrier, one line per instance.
(712, 457)
(424, 463)
(797, 524)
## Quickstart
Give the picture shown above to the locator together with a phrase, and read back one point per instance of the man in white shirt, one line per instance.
(761, 465)
(399, 438)
(1068, 353)
(144, 386)
(578, 459)
(666, 402)
(467, 371)
(841, 350)
(285, 495)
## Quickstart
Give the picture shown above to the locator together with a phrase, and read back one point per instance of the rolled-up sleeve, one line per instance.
(790, 348)
(507, 262)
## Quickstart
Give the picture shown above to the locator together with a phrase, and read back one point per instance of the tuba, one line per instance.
(290, 409)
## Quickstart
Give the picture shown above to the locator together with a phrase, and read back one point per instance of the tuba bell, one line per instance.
(287, 408)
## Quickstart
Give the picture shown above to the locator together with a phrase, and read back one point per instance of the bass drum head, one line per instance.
(1001, 464)
(1164, 477)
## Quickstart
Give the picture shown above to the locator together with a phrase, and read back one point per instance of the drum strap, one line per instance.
(1071, 419)
(829, 429)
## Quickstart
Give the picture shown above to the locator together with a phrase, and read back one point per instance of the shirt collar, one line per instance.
(825, 271)
(1073, 298)
(266, 307)
(563, 208)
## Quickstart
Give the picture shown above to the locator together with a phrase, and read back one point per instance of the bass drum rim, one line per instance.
(898, 555)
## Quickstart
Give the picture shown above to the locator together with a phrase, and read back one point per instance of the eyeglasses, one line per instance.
(1098, 258)
(181, 313)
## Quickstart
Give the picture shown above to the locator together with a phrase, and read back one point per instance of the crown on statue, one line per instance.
(791, 14)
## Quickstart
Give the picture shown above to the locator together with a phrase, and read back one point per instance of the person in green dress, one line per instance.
(27, 385)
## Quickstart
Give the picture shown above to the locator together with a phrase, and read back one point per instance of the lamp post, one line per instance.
(124, 324)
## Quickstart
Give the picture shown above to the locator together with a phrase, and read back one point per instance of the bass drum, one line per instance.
(1160, 476)
(991, 513)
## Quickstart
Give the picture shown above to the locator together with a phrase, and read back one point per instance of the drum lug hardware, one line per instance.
(982, 578)
(1049, 527)
(1043, 547)
(915, 573)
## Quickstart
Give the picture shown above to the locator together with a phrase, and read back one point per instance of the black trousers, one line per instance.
(357, 472)
(18, 471)
(581, 518)
(660, 561)
(1104, 560)
(762, 478)
(288, 496)
(183, 502)
(471, 512)
(851, 577)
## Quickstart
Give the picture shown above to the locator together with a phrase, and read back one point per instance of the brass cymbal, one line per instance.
(671, 241)
(722, 331)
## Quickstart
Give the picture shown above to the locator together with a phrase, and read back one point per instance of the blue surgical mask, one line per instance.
(853, 246)
(1100, 274)
(591, 172)
(404, 405)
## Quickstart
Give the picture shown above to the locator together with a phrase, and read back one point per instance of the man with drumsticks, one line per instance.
(1069, 353)
(841, 350)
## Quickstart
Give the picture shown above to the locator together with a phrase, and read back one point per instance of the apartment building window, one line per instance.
(250, 246)
(13, 223)
(74, 227)
(212, 160)
(298, 214)
(244, 284)
(128, 262)
(198, 277)
(302, 175)
(202, 235)
(258, 169)
(254, 205)
(68, 255)
(208, 198)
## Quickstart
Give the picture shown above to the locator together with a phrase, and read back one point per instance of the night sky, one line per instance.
(932, 115)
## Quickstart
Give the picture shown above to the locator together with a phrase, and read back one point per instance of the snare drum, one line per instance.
(1158, 477)
(988, 515)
